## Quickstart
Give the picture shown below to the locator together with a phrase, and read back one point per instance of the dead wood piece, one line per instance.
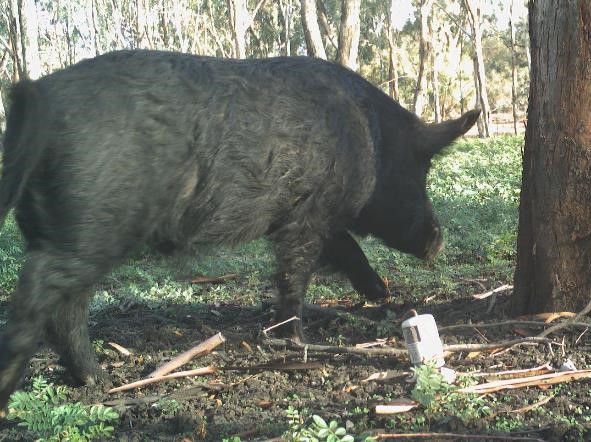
(511, 374)
(120, 349)
(268, 329)
(485, 295)
(561, 325)
(455, 348)
(198, 350)
(530, 381)
(455, 436)
(181, 374)
(189, 393)
(400, 406)
(507, 323)
(286, 366)
(398, 352)
(214, 279)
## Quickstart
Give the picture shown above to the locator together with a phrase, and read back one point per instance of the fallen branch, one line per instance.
(284, 366)
(120, 349)
(400, 406)
(336, 350)
(437, 436)
(561, 325)
(214, 279)
(268, 329)
(530, 381)
(180, 360)
(485, 295)
(511, 374)
(455, 348)
(181, 374)
(189, 393)
(507, 323)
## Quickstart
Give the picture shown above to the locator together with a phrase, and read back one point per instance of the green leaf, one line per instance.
(319, 421)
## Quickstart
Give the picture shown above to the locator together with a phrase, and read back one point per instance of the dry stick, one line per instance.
(545, 379)
(181, 374)
(200, 349)
(268, 329)
(542, 369)
(214, 279)
(336, 350)
(434, 436)
(575, 318)
(503, 323)
(454, 348)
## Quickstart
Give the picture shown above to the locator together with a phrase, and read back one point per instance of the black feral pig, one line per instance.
(169, 149)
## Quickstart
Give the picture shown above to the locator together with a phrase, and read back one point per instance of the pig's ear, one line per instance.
(434, 137)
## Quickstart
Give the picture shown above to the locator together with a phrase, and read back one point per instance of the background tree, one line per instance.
(424, 9)
(473, 10)
(311, 29)
(349, 33)
(554, 240)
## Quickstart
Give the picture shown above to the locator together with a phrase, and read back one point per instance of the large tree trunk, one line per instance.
(474, 16)
(419, 99)
(554, 242)
(15, 41)
(349, 33)
(311, 29)
(513, 66)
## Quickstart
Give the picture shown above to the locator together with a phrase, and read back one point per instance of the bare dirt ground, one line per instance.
(251, 403)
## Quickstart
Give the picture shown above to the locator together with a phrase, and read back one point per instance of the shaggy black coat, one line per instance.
(177, 150)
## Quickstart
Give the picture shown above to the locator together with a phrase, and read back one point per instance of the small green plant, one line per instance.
(169, 406)
(318, 429)
(232, 439)
(441, 399)
(45, 411)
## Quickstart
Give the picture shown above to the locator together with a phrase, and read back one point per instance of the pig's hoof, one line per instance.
(374, 289)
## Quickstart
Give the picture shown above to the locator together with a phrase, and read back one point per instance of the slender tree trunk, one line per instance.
(29, 31)
(94, 24)
(554, 242)
(325, 25)
(15, 42)
(140, 34)
(473, 10)
(311, 30)
(513, 66)
(434, 73)
(241, 20)
(349, 33)
(393, 53)
(419, 99)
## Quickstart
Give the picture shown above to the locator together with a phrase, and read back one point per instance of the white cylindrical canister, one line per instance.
(422, 340)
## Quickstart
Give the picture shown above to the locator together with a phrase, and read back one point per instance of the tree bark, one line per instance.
(554, 240)
(29, 33)
(349, 33)
(434, 73)
(513, 66)
(241, 20)
(94, 30)
(473, 10)
(15, 42)
(311, 30)
(419, 99)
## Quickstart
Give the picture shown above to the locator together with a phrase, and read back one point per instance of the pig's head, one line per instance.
(400, 211)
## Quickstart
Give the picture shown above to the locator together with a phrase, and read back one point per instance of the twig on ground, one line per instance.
(336, 350)
(511, 374)
(285, 366)
(494, 345)
(186, 394)
(485, 295)
(120, 349)
(268, 329)
(561, 325)
(400, 406)
(456, 436)
(198, 350)
(447, 328)
(181, 374)
(214, 279)
(530, 381)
